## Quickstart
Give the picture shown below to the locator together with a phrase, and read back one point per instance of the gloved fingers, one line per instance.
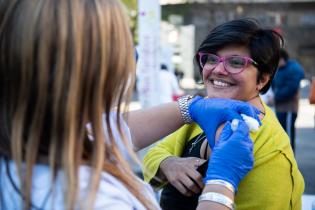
(211, 141)
(226, 132)
(248, 144)
(192, 102)
(234, 124)
(247, 141)
(241, 129)
(231, 114)
(241, 135)
(196, 98)
(247, 109)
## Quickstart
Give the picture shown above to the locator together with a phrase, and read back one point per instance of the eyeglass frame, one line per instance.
(223, 58)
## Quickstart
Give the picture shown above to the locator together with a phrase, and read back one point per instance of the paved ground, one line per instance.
(305, 142)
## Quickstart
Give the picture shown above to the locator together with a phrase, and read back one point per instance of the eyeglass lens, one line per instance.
(233, 64)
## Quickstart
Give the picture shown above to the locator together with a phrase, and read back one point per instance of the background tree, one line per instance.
(132, 6)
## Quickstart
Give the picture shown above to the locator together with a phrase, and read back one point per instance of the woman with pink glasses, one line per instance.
(237, 60)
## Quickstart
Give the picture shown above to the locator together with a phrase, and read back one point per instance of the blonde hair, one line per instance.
(64, 63)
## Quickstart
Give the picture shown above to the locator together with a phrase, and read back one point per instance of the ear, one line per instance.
(263, 81)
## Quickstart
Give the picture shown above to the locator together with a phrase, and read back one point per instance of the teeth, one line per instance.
(220, 83)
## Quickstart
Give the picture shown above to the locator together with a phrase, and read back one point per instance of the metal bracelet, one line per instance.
(183, 107)
(217, 198)
(221, 182)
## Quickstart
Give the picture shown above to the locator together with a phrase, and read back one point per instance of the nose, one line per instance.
(220, 69)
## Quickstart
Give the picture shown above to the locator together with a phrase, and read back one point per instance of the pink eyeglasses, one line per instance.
(233, 64)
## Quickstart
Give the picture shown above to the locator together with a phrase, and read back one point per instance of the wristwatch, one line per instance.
(183, 107)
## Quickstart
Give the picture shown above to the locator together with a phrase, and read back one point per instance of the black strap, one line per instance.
(205, 156)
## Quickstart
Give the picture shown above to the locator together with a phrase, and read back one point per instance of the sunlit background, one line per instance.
(179, 26)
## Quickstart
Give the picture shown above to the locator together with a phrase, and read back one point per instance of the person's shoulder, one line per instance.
(270, 137)
(294, 65)
(112, 193)
(296, 69)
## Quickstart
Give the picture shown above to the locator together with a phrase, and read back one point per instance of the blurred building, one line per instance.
(295, 19)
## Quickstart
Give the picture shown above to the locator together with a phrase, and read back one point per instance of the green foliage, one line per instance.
(132, 6)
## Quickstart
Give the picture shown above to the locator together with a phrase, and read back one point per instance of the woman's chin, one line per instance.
(220, 94)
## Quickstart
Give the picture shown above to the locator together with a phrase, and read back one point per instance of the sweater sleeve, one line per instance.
(171, 145)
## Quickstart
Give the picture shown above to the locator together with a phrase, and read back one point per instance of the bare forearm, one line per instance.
(149, 125)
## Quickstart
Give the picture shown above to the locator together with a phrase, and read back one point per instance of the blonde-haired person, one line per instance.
(64, 66)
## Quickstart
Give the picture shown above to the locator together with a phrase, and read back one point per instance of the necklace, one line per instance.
(260, 111)
(200, 137)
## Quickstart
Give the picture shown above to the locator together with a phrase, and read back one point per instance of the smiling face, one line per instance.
(221, 84)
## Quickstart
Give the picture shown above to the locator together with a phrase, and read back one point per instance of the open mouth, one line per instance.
(220, 83)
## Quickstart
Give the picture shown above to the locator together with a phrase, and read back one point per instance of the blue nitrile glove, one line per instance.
(232, 156)
(210, 113)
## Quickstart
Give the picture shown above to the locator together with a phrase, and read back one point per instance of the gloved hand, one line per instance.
(232, 156)
(210, 113)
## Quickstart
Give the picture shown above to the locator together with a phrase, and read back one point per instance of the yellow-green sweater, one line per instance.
(275, 183)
